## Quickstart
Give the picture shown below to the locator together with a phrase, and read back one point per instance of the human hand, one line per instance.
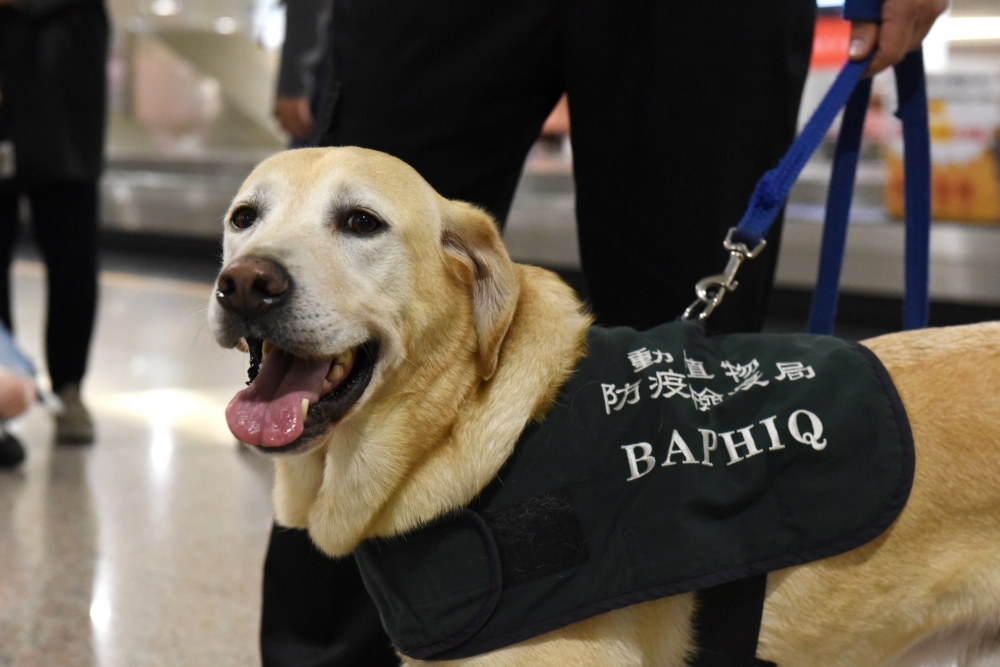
(558, 121)
(294, 115)
(17, 393)
(904, 25)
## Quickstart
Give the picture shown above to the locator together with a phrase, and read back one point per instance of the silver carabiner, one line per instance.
(710, 290)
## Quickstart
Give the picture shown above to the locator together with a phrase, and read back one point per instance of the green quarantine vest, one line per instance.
(672, 461)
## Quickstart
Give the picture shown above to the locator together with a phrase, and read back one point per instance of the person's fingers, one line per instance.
(558, 120)
(289, 120)
(281, 113)
(905, 23)
(289, 111)
(894, 38)
(17, 394)
(305, 118)
(863, 36)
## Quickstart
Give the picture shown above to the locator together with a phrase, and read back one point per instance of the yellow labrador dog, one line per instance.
(407, 353)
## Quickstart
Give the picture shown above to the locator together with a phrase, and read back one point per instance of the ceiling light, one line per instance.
(226, 25)
(165, 7)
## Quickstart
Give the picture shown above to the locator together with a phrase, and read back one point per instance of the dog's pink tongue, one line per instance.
(268, 413)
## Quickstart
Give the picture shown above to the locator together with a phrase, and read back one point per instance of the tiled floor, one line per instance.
(144, 549)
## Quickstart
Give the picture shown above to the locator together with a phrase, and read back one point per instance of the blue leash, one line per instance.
(746, 240)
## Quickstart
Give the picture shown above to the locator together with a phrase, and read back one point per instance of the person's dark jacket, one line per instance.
(53, 56)
(307, 27)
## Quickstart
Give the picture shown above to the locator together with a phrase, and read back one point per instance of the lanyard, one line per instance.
(746, 240)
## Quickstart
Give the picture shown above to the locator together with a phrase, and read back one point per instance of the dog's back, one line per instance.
(934, 577)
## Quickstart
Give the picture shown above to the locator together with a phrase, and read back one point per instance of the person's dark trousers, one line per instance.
(677, 108)
(64, 221)
(316, 611)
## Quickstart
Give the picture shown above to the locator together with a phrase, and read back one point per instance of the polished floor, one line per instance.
(144, 549)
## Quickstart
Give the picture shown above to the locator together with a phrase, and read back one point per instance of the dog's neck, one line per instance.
(434, 444)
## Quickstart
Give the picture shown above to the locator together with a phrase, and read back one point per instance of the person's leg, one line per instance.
(677, 109)
(11, 451)
(9, 223)
(335, 624)
(64, 217)
(459, 91)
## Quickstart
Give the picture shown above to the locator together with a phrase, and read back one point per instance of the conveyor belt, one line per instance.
(189, 199)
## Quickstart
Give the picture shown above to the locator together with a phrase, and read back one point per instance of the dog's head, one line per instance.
(403, 352)
(343, 268)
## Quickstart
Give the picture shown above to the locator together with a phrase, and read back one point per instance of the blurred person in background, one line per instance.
(52, 120)
(305, 68)
(17, 393)
(676, 109)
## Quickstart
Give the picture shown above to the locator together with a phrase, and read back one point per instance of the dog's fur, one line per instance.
(473, 347)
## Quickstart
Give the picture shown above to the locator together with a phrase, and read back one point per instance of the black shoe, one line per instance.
(11, 451)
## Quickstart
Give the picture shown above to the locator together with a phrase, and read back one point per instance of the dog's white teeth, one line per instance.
(344, 359)
(336, 374)
(267, 347)
(305, 407)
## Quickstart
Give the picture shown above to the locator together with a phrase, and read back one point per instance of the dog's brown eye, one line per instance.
(243, 218)
(360, 222)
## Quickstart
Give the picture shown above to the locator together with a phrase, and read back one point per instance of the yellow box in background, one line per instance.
(965, 148)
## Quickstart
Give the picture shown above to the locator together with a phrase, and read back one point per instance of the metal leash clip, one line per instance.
(710, 290)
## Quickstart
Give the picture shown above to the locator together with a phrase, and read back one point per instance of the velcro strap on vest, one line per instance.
(460, 593)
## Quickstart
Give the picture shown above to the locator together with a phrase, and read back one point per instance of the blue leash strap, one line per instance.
(838, 209)
(773, 187)
(912, 110)
(746, 240)
(911, 87)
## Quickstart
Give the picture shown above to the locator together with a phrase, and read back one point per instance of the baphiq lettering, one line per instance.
(740, 444)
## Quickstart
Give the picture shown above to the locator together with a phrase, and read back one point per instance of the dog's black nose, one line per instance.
(252, 286)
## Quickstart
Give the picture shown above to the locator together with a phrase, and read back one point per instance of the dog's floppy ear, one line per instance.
(470, 236)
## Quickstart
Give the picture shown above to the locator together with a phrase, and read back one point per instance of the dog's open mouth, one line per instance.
(292, 399)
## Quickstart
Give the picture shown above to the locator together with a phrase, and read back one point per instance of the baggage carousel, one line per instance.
(185, 200)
